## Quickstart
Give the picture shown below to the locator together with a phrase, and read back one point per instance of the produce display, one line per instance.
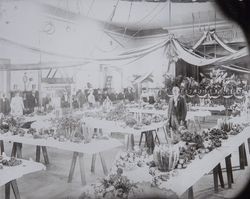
(9, 162)
(131, 160)
(114, 185)
(67, 128)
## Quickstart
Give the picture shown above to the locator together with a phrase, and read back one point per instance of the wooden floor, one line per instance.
(52, 183)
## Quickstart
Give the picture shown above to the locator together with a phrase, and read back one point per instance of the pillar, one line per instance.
(40, 87)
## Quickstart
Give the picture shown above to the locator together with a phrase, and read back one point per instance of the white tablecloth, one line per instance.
(208, 108)
(112, 126)
(192, 114)
(95, 146)
(8, 174)
(196, 169)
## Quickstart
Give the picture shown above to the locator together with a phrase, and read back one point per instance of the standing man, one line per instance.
(32, 101)
(177, 110)
(4, 105)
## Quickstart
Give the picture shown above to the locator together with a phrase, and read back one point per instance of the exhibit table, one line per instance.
(96, 146)
(197, 112)
(8, 175)
(186, 178)
(209, 108)
(117, 126)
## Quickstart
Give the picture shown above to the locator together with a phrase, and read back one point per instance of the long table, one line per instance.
(8, 175)
(209, 108)
(78, 149)
(95, 146)
(186, 178)
(113, 126)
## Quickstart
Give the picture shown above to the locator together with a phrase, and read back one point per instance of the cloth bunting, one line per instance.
(228, 96)
(204, 96)
(239, 97)
(222, 44)
(194, 59)
(215, 97)
(200, 41)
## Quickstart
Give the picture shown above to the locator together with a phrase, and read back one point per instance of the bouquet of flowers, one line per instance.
(68, 128)
(166, 157)
(113, 186)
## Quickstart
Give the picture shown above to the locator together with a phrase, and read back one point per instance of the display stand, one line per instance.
(229, 171)
(15, 189)
(45, 154)
(1, 147)
(242, 156)
(81, 165)
(17, 152)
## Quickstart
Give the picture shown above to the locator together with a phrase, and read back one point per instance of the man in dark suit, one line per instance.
(177, 110)
(4, 105)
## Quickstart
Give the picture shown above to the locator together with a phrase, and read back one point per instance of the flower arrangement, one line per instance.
(166, 157)
(113, 186)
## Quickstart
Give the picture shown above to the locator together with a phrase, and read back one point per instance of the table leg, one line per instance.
(38, 152)
(15, 189)
(245, 155)
(14, 149)
(93, 163)
(72, 167)
(190, 193)
(2, 146)
(248, 141)
(81, 165)
(229, 171)
(216, 184)
(104, 166)
(45, 155)
(156, 137)
(220, 176)
(141, 138)
(19, 150)
(241, 157)
(7, 190)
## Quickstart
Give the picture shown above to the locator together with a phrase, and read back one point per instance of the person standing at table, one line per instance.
(177, 110)
(32, 101)
(16, 105)
(4, 105)
(91, 99)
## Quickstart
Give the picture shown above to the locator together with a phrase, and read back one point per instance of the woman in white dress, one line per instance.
(17, 105)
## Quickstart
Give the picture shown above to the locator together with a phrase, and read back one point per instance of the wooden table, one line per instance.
(186, 178)
(8, 175)
(78, 149)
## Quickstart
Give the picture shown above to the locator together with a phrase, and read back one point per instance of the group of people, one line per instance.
(98, 96)
(19, 103)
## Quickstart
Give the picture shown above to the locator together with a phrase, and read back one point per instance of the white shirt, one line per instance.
(91, 98)
(17, 106)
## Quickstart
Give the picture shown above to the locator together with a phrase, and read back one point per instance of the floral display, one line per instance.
(115, 185)
(166, 157)
(118, 113)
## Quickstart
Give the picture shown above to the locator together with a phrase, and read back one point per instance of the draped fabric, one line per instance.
(175, 50)
(222, 44)
(214, 36)
(140, 79)
(200, 41)
(192, 58)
